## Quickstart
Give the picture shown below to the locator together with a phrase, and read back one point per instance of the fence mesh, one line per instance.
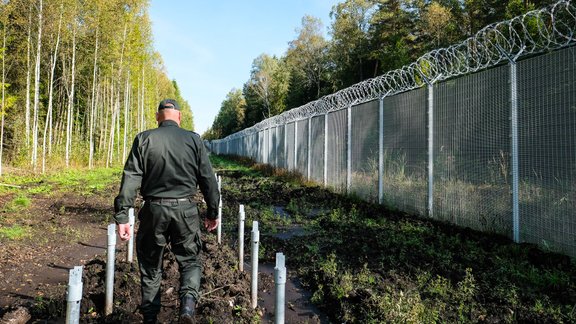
(405, 152)
(317, 148)
(472, 105)
(547, 142)
(337, 150)
(302, 147)
(472, 151)
(365, 148)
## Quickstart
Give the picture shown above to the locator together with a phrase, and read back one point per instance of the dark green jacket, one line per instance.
(167, 162)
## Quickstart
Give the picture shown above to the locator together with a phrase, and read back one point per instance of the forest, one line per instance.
(367, 38)
(78, 80)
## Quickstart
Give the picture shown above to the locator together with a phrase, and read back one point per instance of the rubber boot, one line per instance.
(187, 310)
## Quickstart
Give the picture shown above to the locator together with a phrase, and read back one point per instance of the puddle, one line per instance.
(298, 308)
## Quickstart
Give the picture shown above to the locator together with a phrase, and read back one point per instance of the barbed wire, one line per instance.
(537, 31)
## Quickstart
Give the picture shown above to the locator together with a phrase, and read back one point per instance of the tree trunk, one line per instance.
(143, 103)
(3, 95)
(126, 117)
(93, 107)
(34, 158)
(48, 123)
(71, 101)
(28, 79)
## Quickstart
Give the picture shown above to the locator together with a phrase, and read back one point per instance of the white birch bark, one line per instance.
(34, 158)
(126, 117)
(48, 122)
(71, 100)
(93, 106)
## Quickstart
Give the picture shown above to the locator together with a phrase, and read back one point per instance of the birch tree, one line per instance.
(36, 89)
(48, 122)
(70, 110)
(93, 104)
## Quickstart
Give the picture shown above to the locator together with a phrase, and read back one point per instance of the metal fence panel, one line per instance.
(261, 147)
(302, 147)
(365, 141)
(290, 146)
(547, 150)
(274, 146)
(405, 152)
(280, 147)
(317, 145)
(472, 151)
(337, 145)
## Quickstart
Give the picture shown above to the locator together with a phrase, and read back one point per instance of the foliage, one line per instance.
(366, 264)
(98, 82)
(368, 39)
(14, 232)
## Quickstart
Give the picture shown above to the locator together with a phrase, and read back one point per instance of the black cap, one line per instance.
(168, 104)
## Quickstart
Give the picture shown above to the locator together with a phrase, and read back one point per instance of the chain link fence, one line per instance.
(481, 134)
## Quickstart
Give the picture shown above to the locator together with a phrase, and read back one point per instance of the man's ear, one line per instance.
(157, 115)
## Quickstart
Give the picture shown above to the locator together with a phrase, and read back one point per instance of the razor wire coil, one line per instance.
(535, 32)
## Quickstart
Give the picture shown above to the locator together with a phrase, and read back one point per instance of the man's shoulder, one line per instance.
(193, 134)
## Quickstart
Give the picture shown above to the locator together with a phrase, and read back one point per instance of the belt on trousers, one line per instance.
(171, 200)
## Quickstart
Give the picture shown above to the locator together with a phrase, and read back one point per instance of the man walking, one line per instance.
(167, 164)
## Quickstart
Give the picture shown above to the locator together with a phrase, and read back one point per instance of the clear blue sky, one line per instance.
(208, 46)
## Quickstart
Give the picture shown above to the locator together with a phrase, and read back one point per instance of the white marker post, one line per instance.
(219, 230)
(280, 281)
(254, 285)
(74, 296)
(110, 268)
(131, 221)
(241, 218)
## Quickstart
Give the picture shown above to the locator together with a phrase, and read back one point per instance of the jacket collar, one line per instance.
(168, 122)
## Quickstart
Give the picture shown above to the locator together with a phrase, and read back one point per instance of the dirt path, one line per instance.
(70, 230)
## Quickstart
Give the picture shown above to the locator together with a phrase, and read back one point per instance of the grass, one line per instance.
(17, 204)
(15, 232)
(17, 221)
(77, 180)
(365, 264)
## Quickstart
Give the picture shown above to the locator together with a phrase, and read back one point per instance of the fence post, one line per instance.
(309, 163)
(254, 252)
(326, 150)
(285, 147)
(241, 217)
(430, 84)
(514, 151)
(381, 151)
(348, 148)
(131, 221)
(111, 258)
(295, 166)
(430, 149)
(514, 140)
(280, 282)
(74, 296)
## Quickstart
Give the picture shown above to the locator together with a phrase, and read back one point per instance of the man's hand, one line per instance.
(210, 224)
(124, 231)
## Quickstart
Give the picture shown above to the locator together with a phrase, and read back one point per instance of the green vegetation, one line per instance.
(15, 232)
(50, 132)
(17, 204)
(27, 193)
(362, 46)
(366, 264)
